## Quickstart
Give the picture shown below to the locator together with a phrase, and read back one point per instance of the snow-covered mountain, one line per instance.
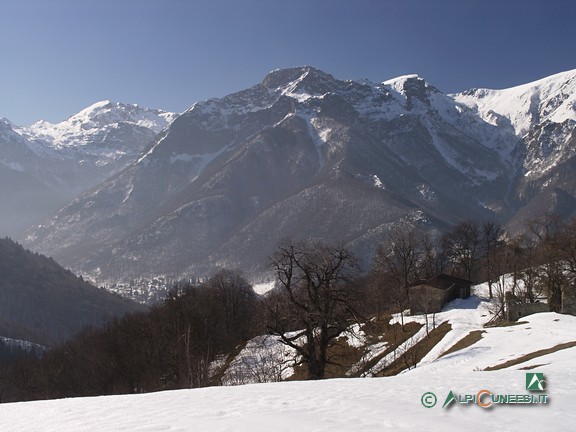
(303, 154)
(91, 126)
(46, 165)
(535, 126)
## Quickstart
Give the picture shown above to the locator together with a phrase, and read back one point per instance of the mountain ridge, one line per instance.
(303, 154)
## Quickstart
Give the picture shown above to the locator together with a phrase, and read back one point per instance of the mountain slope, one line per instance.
(537, 126)
(303, 154)
(26, 198)
(43, 303)
(56, 162)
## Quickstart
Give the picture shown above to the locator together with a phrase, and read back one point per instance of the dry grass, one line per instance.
(506, 324)
(341, 357)
(416, 353)
(533, 367)
(531, 356)
(392, 334)
(468, 340)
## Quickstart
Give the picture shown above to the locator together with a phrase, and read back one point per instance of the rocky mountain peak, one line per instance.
(411, 87)
(304, 78)
(549, 99)
(45, 165)
(5, 123)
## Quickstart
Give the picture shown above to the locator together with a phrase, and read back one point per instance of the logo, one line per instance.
(486, 399)
(449, 399)
(535, 381)
(428, 399)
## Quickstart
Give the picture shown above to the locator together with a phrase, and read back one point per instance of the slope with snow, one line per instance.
(105, 133)
(538, 121)
(551, 99)
(368, 404)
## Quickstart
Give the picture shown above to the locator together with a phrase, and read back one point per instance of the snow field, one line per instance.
(342, 405)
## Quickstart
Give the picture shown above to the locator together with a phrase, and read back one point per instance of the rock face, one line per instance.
(305, 155)
(44, 166)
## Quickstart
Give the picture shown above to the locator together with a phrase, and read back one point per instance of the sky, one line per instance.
(59, 56)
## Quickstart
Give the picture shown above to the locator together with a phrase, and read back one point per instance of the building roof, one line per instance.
(442, 281)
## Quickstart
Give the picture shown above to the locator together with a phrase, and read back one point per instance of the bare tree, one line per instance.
(400, 261)
(568, 246)
(548, 230)
(410, 351)
(462, 246)
(400, 256)
(500, 265)
(317, 301)
(491, 240)
(563, 243)
(432, 261)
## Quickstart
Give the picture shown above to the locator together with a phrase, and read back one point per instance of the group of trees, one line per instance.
(169, 347)
(549, 260)
(320, 293)
(409, 255)
(541, 260)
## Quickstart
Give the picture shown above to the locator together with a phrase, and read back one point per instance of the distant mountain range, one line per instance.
(44, 166)
(301, 155)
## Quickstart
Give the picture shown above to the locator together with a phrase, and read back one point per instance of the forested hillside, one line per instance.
(44, 303)
(171, 346)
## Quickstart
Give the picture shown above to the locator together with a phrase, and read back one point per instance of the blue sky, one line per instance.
(60, 56)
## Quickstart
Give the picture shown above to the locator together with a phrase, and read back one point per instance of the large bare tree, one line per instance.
(316, 301)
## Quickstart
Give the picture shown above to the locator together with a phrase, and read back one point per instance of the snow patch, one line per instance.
(263, 359)
(377, 182)
(263, 288)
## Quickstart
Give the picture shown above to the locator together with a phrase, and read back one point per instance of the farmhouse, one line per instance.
(429, 296)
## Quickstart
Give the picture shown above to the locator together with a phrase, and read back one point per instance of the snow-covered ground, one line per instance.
(361, 404)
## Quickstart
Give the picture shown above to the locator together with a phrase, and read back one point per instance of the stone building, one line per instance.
(429, 296)
(514, 309)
